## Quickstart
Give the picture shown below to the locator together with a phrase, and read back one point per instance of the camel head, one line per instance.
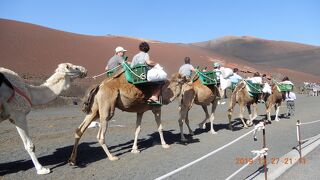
(173, 88)
(71, 71)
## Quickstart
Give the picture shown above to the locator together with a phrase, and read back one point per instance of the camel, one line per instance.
(274, 100)
(199, 94)
(117, 92)
(17, 98)
(241, 96)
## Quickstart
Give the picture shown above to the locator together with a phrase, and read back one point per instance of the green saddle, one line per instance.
(254, 89)
(208, 77)
(285, 87)
(137, 74)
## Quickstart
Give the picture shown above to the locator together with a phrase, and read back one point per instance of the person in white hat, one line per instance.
(117, 59)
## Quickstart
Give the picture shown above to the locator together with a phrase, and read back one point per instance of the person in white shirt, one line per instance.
(235, 78)
(290, 98)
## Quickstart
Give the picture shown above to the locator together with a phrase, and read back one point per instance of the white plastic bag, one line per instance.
(156, 74)
(226, 72)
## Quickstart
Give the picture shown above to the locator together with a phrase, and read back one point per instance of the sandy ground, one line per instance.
(52, 132)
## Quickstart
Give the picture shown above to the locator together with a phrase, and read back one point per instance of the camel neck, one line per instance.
(48, 91)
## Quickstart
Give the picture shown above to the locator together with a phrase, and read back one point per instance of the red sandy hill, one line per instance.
(34, 50)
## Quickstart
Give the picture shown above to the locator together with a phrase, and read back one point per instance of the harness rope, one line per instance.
(110, 70)
(142, 75)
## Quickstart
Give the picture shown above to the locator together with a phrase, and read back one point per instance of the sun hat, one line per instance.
(120, 49)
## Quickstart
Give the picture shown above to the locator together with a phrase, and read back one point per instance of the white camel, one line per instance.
(17, 98)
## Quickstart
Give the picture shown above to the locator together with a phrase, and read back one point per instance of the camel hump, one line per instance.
(88, 100)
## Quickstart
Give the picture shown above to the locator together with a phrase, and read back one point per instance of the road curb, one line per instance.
(276, 170)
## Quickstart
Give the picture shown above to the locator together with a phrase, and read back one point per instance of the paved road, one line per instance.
(52, 132)
(305, 170)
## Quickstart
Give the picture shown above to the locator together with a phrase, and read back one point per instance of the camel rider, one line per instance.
(256, 78)
(186, 69)
(143, 58)
(235, 78)
(217, 69)
(117, 59)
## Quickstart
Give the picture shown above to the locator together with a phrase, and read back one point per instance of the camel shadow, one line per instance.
(218, 127)
(58, 158)
(90, 152)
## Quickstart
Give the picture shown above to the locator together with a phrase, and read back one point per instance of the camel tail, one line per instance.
(88, 100)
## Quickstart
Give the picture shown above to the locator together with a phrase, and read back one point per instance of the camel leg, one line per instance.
(241, 115)
(249, 121)
(22, 127)
(183, 117)
(203, 123)
(106, 113)
(255, 111)
(136, 134)
(213, 109)
(229, 118)
(79, 132)
(268, 111)
(157, 115)
(277, 108)
(187, 123)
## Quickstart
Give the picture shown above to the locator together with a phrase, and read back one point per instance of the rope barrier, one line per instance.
(258, 126)
(309, 122)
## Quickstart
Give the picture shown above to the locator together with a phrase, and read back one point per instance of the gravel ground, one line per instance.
(52, 132)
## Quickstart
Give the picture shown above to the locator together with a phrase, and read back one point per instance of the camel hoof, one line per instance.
(191, 133)
(165, 146)
(113, 158)
(249, 123)
(135, 151)
(276, 119)
(213, 132)
(245, 126)
(43, 171)
(72, 162)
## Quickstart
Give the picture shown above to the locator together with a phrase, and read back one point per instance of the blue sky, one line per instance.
(174, 21)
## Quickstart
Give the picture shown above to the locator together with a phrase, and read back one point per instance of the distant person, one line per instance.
(290, 98)
(235, 78)
(186, 69)
(117, 59)
(143, 58)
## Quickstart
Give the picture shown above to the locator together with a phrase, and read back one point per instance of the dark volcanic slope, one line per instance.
(294, 56)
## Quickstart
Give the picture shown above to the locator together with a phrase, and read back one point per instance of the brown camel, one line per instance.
(202, 95)
(241, 96)
(117, 92)
(274, 100)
